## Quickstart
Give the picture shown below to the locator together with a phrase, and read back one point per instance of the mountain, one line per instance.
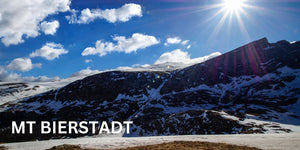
(252, 89)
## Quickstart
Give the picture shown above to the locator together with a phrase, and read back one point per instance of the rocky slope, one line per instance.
(226, 94)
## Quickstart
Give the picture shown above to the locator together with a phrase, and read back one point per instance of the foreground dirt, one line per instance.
(3, 148)
(176, 145)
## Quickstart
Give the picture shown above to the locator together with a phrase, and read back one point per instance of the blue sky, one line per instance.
(58, 38)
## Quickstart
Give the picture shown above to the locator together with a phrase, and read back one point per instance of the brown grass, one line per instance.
(66, 147)
(3, 148)
(177, 145)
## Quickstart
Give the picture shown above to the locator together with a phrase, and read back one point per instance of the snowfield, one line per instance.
(289, 141)
(12, 92)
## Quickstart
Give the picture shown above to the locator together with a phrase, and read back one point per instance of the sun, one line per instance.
(232, 12)
(233, 5)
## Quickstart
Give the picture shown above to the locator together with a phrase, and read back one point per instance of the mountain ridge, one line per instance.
(251, 89)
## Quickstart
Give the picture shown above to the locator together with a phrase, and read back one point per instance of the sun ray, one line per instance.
(219, 26)
(222, 10)
(232, 10)
(242, 26)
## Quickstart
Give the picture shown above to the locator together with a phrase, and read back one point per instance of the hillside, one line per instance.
(252, 89)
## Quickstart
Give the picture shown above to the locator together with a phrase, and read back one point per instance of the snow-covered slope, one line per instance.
(12, 91)
(252, 89)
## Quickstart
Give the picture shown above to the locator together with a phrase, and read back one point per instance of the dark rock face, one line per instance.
(260, 79)
(257, 58)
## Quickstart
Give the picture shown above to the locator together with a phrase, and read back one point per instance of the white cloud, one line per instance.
(188, 47)
(88, 61)
(49, 51)
(22, 64)
(173, 56)
(185, 42)
(73, 18)
(21, 18)
(178, 56)
(85, 72)
(129, 45)
(173, 40)
(6, 76)
(123, 14)
(49, 28)
(139, 65)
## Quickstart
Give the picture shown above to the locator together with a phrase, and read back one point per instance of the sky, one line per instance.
(48, 40)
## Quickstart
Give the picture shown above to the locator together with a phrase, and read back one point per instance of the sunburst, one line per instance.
(233, 5)
(230, 9)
